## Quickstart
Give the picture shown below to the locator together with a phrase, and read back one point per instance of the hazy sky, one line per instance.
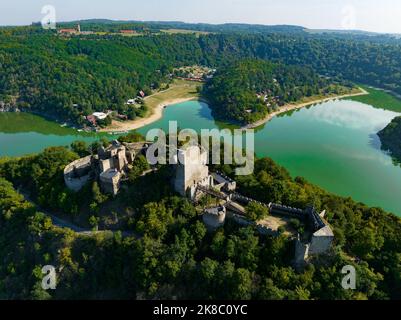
(371, 15)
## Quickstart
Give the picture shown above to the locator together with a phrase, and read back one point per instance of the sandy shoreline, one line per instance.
(157, 114)
(290, 107)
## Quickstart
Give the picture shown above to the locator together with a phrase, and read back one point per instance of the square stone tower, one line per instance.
(191, 171)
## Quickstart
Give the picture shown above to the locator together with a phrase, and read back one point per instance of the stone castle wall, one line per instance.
(78, 173)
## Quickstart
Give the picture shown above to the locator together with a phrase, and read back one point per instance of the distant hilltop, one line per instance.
(221, 28)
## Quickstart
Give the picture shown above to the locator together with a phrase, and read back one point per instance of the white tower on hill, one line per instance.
(191, 171)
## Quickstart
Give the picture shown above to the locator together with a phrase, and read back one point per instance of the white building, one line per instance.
(100, 115)
(131, 102)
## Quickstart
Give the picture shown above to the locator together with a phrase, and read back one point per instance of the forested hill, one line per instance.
(174, 256)
(71, 76)
(248, 90)
(67, 78)
(391, 138)
(105, 25)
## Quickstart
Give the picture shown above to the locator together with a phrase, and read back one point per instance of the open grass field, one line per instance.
(379, 99)
(180, 89)
(184, 31)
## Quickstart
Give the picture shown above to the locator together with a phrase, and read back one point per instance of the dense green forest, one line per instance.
(70, 76)
(248, 90)
(163, 249)
(168, 253)
(390, 137)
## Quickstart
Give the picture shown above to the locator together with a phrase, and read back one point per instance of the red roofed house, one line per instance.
(70, 31)
(142, 94)
(127, 31)
(92, 120)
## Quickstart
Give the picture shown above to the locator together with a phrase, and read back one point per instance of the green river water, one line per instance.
(333, 145)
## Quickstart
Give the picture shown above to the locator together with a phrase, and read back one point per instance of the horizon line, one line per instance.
(210, 24)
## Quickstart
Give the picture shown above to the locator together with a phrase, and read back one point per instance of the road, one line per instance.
(58, 222)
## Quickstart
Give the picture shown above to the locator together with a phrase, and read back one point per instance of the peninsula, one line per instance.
(311, 101)
(390, 138)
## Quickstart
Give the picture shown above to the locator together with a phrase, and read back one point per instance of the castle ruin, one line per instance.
(191, 171)
(214, 218)
(110, 166)
(192, 177)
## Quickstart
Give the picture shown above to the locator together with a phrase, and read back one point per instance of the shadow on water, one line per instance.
(204, 112)
(396, 162)
(11, 123)
(374, 141)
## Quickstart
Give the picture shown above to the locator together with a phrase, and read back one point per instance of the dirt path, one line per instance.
(58, 222)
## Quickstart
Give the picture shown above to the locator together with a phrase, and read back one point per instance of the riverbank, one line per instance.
(157, 114)
(291, 107)
(309, 144)
(179, 92)
(380, 98)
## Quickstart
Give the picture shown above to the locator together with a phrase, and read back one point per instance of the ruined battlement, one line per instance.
(214, 218)
(78, 173)
(109, 166)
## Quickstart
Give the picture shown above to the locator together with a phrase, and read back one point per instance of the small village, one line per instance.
(77, 31)
(194, 73)
(191, 75)
(97, 120)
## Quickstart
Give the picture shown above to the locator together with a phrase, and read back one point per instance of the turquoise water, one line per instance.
(24, 133)
(333, 145)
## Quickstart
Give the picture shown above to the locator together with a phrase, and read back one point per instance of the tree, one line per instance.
(155, 220)
(256, 211)
(80, 148)
(299, 293)
(104, 142)
(269, 291)
(199, 232)
(94, 222)
(37, 293)
(132, 137)
(97, 196)
(208, 276)
(242, 285)
(139, 166)
(366, 242)
(243, 249)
